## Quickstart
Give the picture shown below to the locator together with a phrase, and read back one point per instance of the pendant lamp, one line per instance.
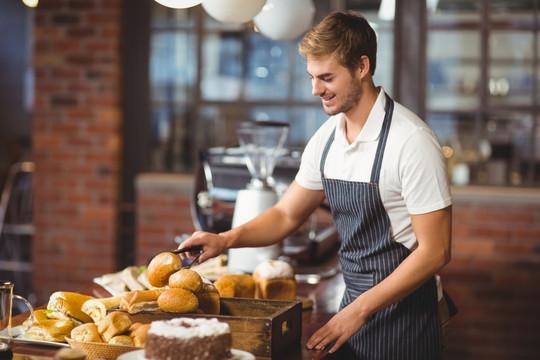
(179, 4)
(285, 19)
(233, 11)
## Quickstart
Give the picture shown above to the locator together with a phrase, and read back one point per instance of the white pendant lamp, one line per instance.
(179, 4)
(233, 11)
(285, 19)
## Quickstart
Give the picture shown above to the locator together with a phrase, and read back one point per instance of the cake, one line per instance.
(274, 280)
(188, 338)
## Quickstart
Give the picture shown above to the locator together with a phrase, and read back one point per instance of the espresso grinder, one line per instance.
(262, 143)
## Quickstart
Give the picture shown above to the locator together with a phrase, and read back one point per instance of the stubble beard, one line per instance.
(352, 97)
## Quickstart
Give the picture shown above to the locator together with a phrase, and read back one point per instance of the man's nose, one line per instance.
(316, 88)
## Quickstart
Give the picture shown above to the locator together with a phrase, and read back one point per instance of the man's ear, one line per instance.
(363, 67)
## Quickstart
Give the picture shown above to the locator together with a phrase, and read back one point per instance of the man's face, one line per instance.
(334, 84)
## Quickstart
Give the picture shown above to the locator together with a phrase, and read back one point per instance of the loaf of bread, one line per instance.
(274, 280)
(113, 324)
(161, 267)
(124, 340)
(138, 331)
(209, 299)
(97, 308)
(178, 301)
(86, 333)
(140, 300)
(187, 279)
(236, 285)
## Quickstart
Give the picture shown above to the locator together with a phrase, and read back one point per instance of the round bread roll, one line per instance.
(187, 279)
(86, 333)
(178, 300)
(138, 333)
(209, 299)
(161, 267)
(236, 285)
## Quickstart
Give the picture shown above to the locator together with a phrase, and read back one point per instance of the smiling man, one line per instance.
(383, 173)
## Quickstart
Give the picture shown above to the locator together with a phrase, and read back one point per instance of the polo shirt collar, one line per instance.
(371, 130)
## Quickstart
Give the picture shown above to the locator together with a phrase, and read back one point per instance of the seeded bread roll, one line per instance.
(236, 285)
(86, 333)
(187, 279)
(178, 301)
(161, 267)
(113, 324)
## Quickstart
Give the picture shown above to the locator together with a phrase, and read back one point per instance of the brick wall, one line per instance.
(76, 141)
(494, 276)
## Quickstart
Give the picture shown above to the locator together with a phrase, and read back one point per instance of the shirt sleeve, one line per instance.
(424, 174)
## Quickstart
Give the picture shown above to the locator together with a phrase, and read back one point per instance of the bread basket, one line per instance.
(100, 350)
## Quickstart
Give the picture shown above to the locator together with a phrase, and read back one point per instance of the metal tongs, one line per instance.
(190, 249)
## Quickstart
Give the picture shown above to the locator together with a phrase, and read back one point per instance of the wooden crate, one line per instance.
(261, 327)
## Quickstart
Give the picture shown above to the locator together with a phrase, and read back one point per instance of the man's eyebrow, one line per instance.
(321, 76)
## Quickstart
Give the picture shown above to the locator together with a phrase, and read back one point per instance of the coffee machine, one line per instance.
(262, 143)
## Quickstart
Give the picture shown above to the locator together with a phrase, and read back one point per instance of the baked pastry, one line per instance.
(187, 338)
(140, 300)
(209, 299)
(236, 285)
(97, 308)
(70, 303)
(178, 301)
(45, 328)
(274, 280)
(138, 332)
(113, 324)
(161, 267)
(86, 333)
(187, 279)
(124, 340)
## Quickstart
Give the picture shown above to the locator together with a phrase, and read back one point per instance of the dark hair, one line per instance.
(346, 36)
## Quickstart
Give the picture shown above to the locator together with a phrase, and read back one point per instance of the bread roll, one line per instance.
(178, 301)
(86, 333)
(70, 303)
(275, 281)
(138, 333)
(161, 267)
(97, 308)
(236, 285)
(187, 279)
(44, 328)
(209, 299)
(140, 300)
(124, 340)
(113, 324)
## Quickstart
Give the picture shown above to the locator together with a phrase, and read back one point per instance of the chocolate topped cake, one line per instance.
(187, 338)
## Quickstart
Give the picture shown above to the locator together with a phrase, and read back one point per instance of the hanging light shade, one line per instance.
(233, 11)
(285, 19)
(179, 4)
(30, 3)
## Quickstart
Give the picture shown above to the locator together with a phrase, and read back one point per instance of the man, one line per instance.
(383, 173)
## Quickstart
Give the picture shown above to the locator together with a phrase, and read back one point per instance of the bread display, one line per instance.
(87, 333)
(161, 267)
(187, 279)
(97, 308)
(178, 300)
(274, 280)
(236, 285)
(115, 323)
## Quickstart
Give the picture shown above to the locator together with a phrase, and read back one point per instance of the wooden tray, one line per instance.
(260, 327)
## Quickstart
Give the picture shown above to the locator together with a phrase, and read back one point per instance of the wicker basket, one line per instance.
(101, 350)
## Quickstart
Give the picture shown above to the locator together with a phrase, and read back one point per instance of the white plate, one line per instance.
(139, 355)
(19, 338)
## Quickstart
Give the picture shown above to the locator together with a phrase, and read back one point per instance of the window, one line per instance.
(206, 77)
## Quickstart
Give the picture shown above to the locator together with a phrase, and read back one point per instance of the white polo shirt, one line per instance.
(413, 178)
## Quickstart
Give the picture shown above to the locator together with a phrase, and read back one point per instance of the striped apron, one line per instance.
(409, 328)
